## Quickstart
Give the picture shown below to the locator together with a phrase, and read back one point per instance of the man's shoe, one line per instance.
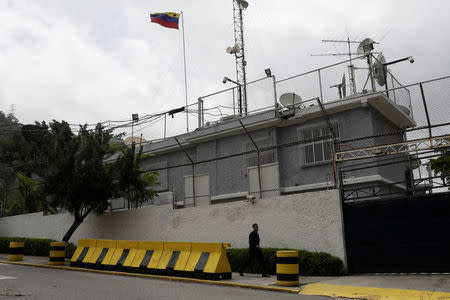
(265, 275)
(240, 273)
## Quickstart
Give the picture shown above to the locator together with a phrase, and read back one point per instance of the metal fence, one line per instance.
(425, 103)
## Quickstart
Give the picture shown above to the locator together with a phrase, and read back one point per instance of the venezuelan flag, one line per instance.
(167, 19)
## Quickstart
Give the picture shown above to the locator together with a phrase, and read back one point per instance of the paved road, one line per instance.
(22, 282)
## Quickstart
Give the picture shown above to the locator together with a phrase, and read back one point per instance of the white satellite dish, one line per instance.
(378, 70)
(404, 109)
(243, 3)
(234, 49)
(366, 46)
(289, 99)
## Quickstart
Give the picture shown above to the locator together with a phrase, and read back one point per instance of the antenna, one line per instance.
(341, 87)
(365, 48)
(379, 70)
(351, 67)
(238, 49)
(290, 99)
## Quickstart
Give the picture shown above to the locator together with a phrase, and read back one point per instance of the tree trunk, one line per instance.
(76, 223)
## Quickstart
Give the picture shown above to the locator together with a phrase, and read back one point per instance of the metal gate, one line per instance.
(395, 226)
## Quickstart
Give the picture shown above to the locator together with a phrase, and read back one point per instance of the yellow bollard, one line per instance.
(15, 251)
(57, 253)
(287, 268)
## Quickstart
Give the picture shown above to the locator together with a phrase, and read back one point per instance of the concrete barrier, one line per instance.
(209, 261)
(186, 259)
(84, 250)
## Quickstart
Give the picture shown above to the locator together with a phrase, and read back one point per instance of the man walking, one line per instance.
(254, 251)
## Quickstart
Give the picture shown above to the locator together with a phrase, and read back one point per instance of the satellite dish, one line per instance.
(234, 49)
(378, 70)
(365, 46)
(243, 3)
(289, 99)
(404, 109)
(344, 86)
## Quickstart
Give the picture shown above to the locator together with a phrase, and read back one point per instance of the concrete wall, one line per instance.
(310, 221)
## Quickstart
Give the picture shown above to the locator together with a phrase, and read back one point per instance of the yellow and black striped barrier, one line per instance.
(57, 253)
(287, 268)
(184, 259)
(15, 251)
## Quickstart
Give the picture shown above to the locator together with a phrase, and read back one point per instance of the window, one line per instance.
(266, 157)
(321, 149)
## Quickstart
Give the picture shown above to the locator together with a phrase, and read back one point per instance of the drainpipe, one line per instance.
(193, 169)
(257, 158)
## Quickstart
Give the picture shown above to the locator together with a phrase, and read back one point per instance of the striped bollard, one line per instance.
(287, 268)
(57, 253)
(15, 251)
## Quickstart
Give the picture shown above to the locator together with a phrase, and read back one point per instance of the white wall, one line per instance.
(310, 221)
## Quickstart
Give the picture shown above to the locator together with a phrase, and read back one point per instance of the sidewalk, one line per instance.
(387, 286)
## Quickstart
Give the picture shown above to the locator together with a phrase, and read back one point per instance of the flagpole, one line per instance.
(185, 76)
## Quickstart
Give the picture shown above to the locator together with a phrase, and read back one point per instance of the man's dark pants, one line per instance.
(252, 254)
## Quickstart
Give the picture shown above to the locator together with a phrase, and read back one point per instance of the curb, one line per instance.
(371, 293)
(183, 279)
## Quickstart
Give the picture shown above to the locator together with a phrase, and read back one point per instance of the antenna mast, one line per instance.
(351, 67)
(238, 7)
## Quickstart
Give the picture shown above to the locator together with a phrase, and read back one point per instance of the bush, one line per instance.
(33, 247)
(311, 263)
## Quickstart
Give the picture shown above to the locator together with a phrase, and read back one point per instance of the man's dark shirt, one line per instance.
(253, 240)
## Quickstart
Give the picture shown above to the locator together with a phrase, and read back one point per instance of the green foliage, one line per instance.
(133, 184)
(311, 263)
(75, 176)
(33, 247)
(441, 165)
(30, 193)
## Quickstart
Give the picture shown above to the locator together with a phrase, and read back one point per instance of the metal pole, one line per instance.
(393, 90)
(257, 157)
(200, 112)
(385, 80)
(320, 85)
(369, 62)
(185, 76)
(193, 169)
(234, 103)
(275, 91)
(427, 115)
(240, 99)
(165, 125)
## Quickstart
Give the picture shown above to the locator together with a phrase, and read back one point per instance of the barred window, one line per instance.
(320, 150)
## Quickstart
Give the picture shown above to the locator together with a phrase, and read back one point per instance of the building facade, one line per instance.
(296, 150)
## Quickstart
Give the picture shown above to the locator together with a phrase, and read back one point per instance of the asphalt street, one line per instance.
(23, 282)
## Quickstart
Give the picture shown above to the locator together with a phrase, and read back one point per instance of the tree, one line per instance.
(75, 177)
(441, 165)
(30, 193)
(133, 184)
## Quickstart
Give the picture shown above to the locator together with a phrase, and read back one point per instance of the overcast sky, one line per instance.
(89, 61)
